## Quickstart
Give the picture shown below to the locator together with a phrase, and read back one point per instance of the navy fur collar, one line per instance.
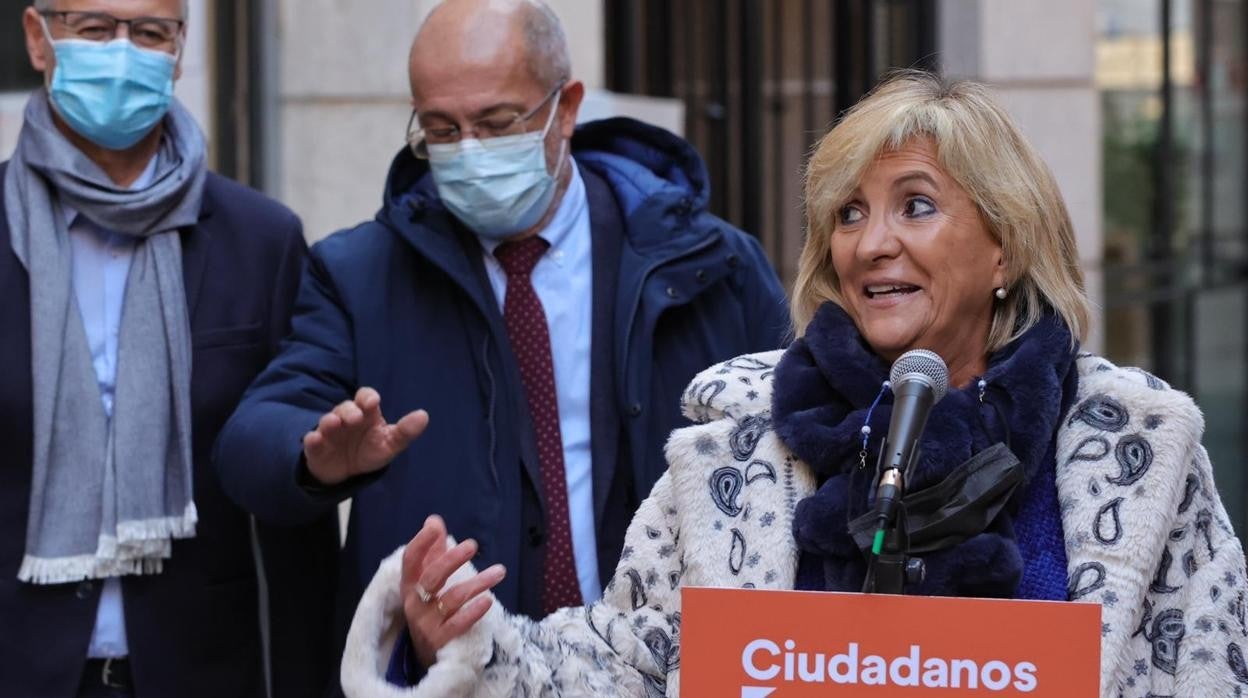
(823, 386)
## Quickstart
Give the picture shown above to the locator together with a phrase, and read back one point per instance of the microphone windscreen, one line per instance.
(925, 363)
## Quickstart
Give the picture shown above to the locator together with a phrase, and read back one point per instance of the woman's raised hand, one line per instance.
(436, 613)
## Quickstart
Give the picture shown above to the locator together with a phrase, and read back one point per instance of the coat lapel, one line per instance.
(607, 232)
(196, 242)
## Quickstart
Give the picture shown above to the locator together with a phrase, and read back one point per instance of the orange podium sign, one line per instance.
(789, 644)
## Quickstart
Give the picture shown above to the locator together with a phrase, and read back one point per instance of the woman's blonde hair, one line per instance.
(978, 145)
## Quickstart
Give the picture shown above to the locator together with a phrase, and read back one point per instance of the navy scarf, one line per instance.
(823, 388)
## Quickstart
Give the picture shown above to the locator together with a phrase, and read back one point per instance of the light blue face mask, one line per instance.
(500, 189)
(111, 93)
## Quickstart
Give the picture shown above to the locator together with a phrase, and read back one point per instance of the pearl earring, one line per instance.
(999, 293)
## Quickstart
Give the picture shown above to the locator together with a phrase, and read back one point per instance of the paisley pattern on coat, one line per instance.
(1116, 446)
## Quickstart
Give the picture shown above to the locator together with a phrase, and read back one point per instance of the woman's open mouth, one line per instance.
(884, 291)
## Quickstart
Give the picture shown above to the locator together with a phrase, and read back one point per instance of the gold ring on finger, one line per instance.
(441, 609)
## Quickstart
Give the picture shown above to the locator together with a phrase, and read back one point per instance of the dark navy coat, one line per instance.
(194, 629)
(402, 304)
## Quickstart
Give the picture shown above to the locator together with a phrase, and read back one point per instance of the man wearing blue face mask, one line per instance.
(537, 294)
(142, 295)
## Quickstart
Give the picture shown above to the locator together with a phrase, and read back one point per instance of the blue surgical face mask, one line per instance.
(498, 188)
(111, 93)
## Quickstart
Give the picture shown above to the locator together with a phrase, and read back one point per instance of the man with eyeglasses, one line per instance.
(142, 294)
(531, 301)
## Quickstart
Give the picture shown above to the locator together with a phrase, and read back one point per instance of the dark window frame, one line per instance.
(727, 104)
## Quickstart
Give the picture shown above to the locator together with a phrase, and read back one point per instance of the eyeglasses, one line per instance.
(507, 123)
(148, 32)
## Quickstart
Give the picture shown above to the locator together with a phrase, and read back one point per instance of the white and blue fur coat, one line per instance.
(1146, 537)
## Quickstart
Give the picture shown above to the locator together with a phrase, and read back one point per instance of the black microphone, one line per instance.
(918, 379)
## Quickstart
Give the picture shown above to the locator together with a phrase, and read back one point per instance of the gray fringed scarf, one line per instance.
(107, 496)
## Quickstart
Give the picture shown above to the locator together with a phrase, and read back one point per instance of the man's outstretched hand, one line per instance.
(354, 438)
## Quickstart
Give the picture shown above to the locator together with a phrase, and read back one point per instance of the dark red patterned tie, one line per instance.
(530, 341)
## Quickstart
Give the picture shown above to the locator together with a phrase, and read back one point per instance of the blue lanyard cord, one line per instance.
(866, 425)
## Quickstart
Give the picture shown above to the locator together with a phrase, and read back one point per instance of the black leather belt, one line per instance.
(113, 672)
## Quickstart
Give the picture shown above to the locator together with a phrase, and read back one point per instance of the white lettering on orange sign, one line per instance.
(764, 660)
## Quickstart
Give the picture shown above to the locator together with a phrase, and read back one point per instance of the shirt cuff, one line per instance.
(404, 668)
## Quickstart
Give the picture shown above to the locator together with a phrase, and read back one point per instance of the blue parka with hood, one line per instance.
(401, 303)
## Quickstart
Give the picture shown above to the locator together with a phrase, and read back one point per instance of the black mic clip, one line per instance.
(893, 572)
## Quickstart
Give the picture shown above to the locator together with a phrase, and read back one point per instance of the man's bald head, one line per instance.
(481, 68)
(483, 31)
